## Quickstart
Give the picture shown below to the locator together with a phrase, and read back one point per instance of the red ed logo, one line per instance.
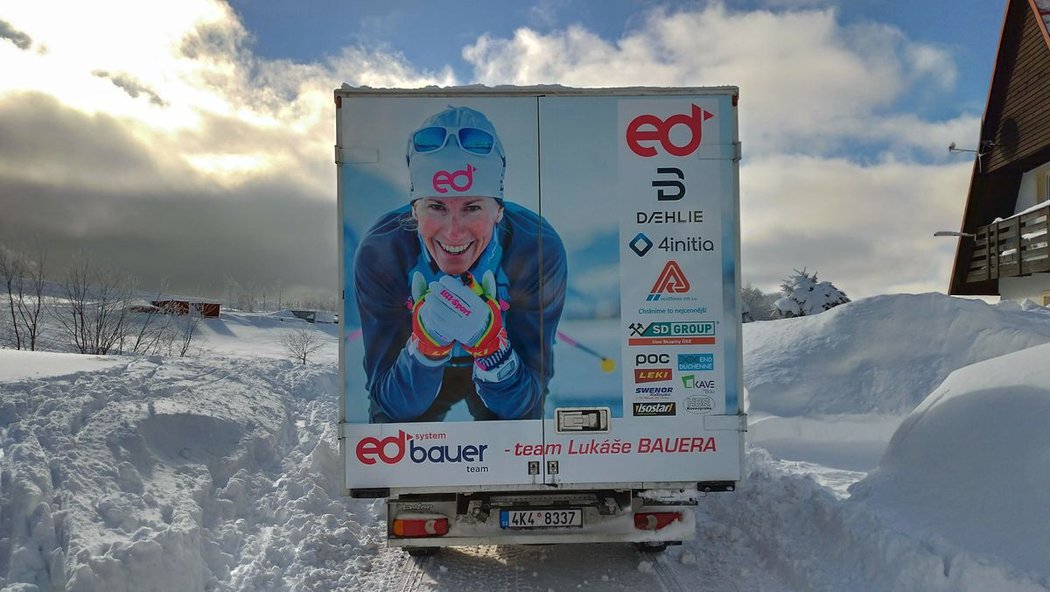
(458, 180)
(672, 280)
(391, 450)
(644, 130)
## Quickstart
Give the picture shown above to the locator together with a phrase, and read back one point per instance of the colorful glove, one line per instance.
(434, 346)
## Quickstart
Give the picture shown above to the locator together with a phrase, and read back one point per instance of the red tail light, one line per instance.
(422, 526)
(655, 520)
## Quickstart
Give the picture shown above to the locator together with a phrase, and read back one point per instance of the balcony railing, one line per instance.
(1013, 247)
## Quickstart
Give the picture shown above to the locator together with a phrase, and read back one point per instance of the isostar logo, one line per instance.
(392, 450)
(645, 131)
(654, 409)
(672, 333)
(672, 280)
(699, 404)
(690, 381)
(457, 180)
(644, 375)
(696, 362)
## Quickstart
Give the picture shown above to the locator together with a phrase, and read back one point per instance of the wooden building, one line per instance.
(1005, 249)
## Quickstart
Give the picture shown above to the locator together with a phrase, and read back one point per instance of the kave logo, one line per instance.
(443, 179)
(392, 450)
(646, 129)
(672, 280)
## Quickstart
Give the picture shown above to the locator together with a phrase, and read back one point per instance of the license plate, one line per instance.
(540, 518)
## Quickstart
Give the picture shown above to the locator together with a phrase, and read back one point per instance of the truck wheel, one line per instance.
(421, 551)
(652, 547)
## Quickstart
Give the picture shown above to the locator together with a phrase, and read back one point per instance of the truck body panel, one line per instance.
(621, 208)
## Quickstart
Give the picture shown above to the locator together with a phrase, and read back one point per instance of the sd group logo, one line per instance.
(672, 333)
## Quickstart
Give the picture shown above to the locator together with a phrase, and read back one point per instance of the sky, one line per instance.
(191, 142)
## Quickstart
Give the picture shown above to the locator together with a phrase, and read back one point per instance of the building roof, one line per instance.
(1015, 131)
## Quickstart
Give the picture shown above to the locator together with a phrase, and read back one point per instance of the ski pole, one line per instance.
(608, 364)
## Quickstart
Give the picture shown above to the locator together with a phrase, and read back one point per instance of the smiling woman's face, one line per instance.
(456, 230)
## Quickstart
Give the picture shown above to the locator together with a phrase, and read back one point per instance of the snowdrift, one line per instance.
(878, 355)
(972, 462)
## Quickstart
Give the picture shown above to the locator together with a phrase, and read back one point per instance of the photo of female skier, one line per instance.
(459, 291)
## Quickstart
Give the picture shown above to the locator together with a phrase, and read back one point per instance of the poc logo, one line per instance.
(645, 130)
(653, 409)
(457, 180)
(650, 359)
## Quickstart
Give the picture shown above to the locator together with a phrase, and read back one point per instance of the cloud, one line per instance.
(20, 39)
(867, 228)
(183, 155)
(812, 86)
(131, 86)
(186, 157)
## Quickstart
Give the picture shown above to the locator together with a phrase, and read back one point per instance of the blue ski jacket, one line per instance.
(528, 259)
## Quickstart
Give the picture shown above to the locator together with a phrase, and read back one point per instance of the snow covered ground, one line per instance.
(896, 443)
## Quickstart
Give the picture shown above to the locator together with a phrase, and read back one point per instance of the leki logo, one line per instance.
(391, 450)
(443, 179)
(672, 280)
(643, 375)
(646, 129)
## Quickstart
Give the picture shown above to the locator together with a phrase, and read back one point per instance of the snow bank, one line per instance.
(972, 462)
(877, 355)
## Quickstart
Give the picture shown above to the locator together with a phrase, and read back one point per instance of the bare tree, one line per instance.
(186, 331)
(94, 308)
(12, 277)
(23, 279)
(301, 344)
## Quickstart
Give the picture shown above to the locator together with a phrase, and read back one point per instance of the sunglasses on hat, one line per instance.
(471, 139)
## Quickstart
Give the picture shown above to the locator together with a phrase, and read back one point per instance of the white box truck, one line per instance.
(540, 336)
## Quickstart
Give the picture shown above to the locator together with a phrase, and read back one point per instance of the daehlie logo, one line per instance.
(443, 179)
(672, 280)
(646, 129)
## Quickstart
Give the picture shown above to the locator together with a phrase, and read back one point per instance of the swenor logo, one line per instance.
(672, 280)
(646, 129)
(443, 179)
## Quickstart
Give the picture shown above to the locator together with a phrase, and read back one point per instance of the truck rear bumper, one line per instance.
(481, 519)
